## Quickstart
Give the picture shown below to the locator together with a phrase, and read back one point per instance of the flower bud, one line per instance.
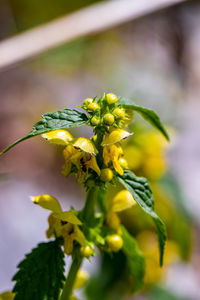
(87, 101)
(111, 98)
(86, 251)
(119, 113)
(95, 121)
(93, 106)
(106, 175)
(115, 242)
(123, 162)
(109, 119)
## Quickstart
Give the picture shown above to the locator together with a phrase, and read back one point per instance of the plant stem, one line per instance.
(89, 208)
(87, 213)
(68, 287)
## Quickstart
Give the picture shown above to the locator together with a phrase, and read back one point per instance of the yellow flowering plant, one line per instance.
(144, 154)
(98, 164)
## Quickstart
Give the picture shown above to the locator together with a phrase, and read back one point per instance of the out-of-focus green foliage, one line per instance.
(159, 293)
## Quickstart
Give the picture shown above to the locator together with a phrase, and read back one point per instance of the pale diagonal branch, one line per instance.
(90, 20)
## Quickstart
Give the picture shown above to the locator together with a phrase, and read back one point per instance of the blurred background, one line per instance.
(153, 60)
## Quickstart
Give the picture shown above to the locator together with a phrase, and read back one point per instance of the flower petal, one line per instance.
(79, 236)
(115, 136)
(67, 216)
(85, 145)
(59, 137)
(92, 164)
(47, 202)
(122, 201)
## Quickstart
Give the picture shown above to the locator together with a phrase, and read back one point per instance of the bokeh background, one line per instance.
(154, 60)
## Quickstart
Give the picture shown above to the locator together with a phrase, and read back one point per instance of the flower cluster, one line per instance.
(82, 155)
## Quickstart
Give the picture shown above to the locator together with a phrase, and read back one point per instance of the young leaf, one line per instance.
(147, 114)
(40, 274)
(141, 192)
(59, 119)
(135, 259)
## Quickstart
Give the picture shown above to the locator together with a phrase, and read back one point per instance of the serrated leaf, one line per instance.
(141, 192)
(148, 114)
(135, 259)
(59, 119)
(41, 273)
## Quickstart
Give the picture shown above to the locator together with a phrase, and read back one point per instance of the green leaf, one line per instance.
(41, 273)
(148, 114)
(141, 192)
(135, 259)
(59, 119)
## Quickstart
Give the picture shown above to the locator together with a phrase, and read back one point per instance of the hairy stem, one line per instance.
(68, 287)
(87, 213)
(89, 208)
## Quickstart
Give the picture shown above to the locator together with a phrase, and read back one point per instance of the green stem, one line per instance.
(89, 208)
(87, 213)
(68, 287)
(100, 135)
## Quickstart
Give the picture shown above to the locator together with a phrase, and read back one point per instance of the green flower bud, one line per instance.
(119, 113)
(109, 119)
(106, 175)
(95, 121)
(86, 251)
(111, 98)
(115, 242)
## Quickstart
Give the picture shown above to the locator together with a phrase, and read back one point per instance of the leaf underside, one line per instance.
(148, 114)
(141, 192)
(41, 273)
(61, 119)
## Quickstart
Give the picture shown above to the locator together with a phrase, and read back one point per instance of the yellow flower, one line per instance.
(85, 145)
(7, 296)
(123, 200)
(47, 202)
(115, 136)
(81, 154)
(71, 233)
(111, 154)
(59, 137)
(61, 223)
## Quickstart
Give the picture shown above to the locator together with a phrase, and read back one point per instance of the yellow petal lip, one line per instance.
(122, 201)
(67, 216)
(47, 202)
(115, 136)
(59, 137)
(85, 145)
